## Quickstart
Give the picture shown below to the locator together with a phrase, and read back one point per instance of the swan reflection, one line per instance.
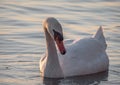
(93, 79)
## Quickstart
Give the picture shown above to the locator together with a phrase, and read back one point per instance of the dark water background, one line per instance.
(22, 39)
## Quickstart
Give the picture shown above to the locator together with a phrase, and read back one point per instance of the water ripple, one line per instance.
(22, 39)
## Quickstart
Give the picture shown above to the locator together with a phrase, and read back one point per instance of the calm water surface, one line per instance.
(22, 40)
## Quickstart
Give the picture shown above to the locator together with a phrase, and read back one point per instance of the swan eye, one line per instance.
(57, 35)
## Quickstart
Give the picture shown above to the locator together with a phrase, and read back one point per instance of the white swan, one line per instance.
(84, 56)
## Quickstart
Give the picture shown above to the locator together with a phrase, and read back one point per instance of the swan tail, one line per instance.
(100, 37)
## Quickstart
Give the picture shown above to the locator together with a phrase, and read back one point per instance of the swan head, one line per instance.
(54, 28)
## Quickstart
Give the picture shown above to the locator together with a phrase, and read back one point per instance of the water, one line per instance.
(22, 39)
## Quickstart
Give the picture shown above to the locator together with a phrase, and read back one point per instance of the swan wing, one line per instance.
(85, 56)
(100, 37)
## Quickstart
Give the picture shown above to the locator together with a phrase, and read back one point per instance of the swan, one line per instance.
(81, 57)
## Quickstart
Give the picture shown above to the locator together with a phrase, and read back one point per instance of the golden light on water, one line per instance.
(22, 40)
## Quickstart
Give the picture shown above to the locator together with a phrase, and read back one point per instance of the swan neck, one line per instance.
(51, 49)
(53, 68)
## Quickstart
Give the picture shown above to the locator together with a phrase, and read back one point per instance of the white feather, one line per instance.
(83, 56)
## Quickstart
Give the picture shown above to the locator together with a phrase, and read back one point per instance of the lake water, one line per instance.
(22, 39)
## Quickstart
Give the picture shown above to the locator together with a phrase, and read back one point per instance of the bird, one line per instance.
(82, 57)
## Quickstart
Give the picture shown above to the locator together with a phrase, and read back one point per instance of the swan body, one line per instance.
(81, 57)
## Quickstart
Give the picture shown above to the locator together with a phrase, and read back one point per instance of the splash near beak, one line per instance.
(61, 47)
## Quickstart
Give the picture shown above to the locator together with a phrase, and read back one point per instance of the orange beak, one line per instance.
(61, 46)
